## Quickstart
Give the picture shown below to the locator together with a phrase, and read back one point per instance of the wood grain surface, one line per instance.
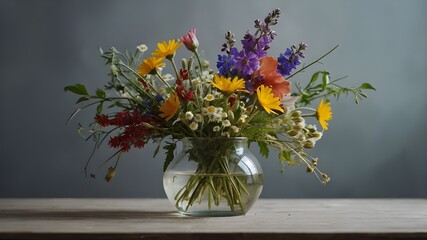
(268, 219)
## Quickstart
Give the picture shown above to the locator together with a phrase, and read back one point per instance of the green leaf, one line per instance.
(170, 148)
(99, 108)
(367, 86)
(325, 79)
(263, 149)
(73, 114)
(100, 93)
(157, 150)
(82, 99)
(313, 78)
(79, 89)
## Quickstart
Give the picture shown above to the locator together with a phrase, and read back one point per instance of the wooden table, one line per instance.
(268, 219)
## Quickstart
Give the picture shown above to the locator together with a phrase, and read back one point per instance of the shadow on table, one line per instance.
(89, 214)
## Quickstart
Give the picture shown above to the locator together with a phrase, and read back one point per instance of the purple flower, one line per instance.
(287, 61)
(226, 63)
(258, 46)
(247, 62)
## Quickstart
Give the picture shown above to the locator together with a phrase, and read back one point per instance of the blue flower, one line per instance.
(287, 61)
(226, 63)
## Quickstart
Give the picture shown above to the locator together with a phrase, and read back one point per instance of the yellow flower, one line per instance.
(149, 65)
(323, 114)
(267, 100)
(169, 107)
(227, 85)
(166, 50)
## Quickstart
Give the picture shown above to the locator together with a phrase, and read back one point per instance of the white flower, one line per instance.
(226, 123)
(288, 102)
(125, 94)
(216, 129)
(168, 77)
(242, 118)
(224, 114)
(225, 134)
(142, 48)
(209, 97)
(211, 110)
(189, 115)
(311, 126)
(235, 129)
(198, 117)
(194, 126)
(195, 81)
(205, 111)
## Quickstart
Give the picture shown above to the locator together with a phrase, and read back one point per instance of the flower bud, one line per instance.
(314, 161)
(310, 168)
(298, 119)
(110, 174)
(296, 114)
(316, 135)
(184, 63)
(190, 63)
(326, 178)
(292, 132)
(190, 40)
(299, 126)
(309, 144)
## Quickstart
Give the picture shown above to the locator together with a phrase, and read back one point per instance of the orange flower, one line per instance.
(169, 107)
(273, 79)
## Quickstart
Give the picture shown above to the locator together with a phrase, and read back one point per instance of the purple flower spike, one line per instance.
(287, 62)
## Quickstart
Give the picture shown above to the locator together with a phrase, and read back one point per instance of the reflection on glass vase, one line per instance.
(213, 177)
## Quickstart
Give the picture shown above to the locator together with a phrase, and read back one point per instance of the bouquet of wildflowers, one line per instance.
(251, 94)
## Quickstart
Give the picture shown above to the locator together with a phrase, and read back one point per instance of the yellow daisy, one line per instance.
(227, 85)
(169, 107)
(149, 65)
(267, 99)
(166, 50)
(323, 114)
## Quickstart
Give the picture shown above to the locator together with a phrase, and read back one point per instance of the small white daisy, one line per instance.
(189, 115)
(194, 126)
(198, 117)
(216, 129)
(142, 48)
(209, 97)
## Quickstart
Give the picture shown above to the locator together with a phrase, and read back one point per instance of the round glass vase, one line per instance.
(213, 177)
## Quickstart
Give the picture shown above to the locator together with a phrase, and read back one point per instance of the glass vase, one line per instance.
(213, 177)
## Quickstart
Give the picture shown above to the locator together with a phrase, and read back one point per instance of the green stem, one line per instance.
(171, 59)
(200, 63)
(317, 60)
(139, 76)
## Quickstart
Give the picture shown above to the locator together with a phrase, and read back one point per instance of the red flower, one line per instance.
(184, 74)
(135, 133)
(102, 120)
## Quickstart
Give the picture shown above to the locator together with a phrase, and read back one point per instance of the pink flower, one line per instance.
(190, 40)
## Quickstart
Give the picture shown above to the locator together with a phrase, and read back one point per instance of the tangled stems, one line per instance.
(216, 178)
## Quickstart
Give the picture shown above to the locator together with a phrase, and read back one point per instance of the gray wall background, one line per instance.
(374, 149)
